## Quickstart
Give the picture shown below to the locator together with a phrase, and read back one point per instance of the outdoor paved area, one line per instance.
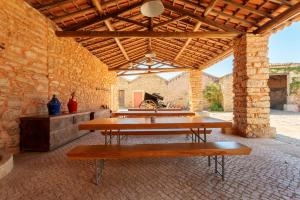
(286, 123)
(272, 171)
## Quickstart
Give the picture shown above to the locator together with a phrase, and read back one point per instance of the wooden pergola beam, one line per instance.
(146, 34)
(200, 18)
(280, 19)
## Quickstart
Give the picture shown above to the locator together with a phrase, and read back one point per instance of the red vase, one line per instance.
(72, 105)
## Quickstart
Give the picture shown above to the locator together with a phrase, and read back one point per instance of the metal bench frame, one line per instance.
(100, 167)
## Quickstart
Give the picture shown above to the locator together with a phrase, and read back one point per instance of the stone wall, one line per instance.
(250, 86)
(175, 91)
(290, 70)
(227, 91)
(34, 64)
(149, 83)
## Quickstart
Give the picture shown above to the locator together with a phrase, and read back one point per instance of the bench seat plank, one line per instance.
(155, 132)
(95, 152)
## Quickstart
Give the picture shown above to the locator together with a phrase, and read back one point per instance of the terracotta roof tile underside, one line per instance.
(243, 16)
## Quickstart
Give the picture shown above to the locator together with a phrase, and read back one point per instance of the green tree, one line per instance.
(213, 94)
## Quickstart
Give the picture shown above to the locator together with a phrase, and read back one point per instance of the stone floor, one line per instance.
(272, 171)
(287, 124)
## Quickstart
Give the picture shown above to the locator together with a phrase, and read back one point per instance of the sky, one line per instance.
(284, 47)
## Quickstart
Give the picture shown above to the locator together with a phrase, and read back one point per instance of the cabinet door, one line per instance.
(34, 135)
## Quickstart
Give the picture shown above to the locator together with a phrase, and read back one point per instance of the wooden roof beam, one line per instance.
(200, 18)
(111, 28)
(139, 58)
(202, 7)
(74, 14)
(146, 34)
(54, 4)
(251, 10)
(147, 73)
(64, 2)
(210, 7)
(97, 19)
(284, 2)
(187, 42)
(169, 21)
(108, 24)
(131, 21)
(218, 58)
(153, 69)
(280, 19)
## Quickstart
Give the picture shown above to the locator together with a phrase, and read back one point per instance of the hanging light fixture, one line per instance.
(152, 8)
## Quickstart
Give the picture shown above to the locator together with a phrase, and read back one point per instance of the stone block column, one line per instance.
(251, 107)
(196, 92)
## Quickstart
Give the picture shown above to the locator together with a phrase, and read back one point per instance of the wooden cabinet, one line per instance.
(45, 133)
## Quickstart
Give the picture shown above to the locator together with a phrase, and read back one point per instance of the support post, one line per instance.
(196, 101)
(250, 87)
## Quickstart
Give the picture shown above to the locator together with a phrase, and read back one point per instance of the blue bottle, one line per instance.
(54, 106)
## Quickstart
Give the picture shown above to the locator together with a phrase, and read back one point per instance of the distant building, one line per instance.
(284, 86)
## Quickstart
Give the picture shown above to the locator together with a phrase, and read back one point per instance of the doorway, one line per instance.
(137, 98)
(278, 91)
(121, 98)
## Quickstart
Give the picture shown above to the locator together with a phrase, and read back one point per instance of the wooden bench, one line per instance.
(147, 132)
(99, 153)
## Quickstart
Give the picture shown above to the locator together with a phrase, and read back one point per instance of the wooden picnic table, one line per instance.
(193, 123)
(154, 123)
(151, 113)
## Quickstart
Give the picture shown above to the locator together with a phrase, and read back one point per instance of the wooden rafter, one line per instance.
(146, 34)
(179, 17)
(128, 63)
(252, 10)
(111, 28)
(280, 19)
(131, 21)
(200, 18)
(210, 7)
(187, 42)
(97, 19)
(284, 2)
(153, 69)
(169, 21)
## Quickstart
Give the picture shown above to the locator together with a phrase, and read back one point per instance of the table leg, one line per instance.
(216, 164)
(105, 136)
(99, 170)
(110, 136)
(118, 138)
